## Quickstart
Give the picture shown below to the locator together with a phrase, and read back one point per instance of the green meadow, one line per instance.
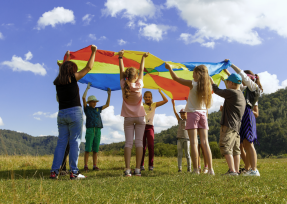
(25, 179)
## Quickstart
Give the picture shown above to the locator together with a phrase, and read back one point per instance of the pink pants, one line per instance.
(134, 126)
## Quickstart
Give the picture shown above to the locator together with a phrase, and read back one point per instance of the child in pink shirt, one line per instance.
(133, 111)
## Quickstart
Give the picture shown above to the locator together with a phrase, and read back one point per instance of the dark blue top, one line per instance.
(93, 117)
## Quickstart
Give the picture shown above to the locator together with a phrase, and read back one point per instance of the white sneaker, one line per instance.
(76, 176)
(195, 172)
(252, 173)
(205, 170)
(211, 172)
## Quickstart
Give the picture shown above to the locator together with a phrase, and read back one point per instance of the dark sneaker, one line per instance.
(230, 173)
(77, 176)
(95, 168)
(53, 175)
(188, 170)
(150, 168)
(128, 173)
(142, 168)
(179, 170)
(86, 168)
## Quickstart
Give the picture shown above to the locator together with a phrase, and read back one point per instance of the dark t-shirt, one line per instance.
(233, 108)
(93, 117)
(68, 94)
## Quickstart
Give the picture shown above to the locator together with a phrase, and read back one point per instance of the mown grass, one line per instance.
(25, 179)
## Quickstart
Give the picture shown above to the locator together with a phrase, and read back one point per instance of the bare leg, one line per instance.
(243, 154)
(230, 162)
(95, 158)
(199, 155)
(139, 154)
(236, 162)
(204, 159)
(192, 133)
(127, 154)
(86, 158)
(251, 153)
(205, 146)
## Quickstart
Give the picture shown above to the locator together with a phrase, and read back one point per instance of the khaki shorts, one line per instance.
(229, 141)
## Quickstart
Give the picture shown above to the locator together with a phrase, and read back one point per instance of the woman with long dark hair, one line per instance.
(70, 116)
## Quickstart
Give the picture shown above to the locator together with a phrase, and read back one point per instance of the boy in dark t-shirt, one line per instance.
(232, 112)
(94, 125)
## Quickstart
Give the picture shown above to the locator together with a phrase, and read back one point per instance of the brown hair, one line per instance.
(66, 71)
(129, 75)
(148, 92)
(203, 85)
(257, 80)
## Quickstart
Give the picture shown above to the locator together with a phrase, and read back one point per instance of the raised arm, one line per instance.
(121, 64)
(108, 100)
(164, 99)
(177, 79)
(256, 111)
(142, 65)
(225, 93)
(85, 95)
(174, 110)
(89, 65)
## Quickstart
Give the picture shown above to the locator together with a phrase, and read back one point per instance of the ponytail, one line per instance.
(129, 75)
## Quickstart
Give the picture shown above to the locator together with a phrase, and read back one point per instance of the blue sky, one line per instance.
(34, 34)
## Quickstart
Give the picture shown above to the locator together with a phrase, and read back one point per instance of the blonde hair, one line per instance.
(203, 86)
(129, 75)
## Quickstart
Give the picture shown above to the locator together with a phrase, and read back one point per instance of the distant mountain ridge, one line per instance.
(12, 142)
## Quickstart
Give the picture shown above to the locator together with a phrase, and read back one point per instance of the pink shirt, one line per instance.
(133, 106)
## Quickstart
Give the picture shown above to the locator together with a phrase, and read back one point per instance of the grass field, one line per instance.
(25, 179)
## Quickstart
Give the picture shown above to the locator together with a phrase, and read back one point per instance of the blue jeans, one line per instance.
(70, 124)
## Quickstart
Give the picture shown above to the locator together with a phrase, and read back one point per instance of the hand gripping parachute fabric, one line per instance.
(105, 72)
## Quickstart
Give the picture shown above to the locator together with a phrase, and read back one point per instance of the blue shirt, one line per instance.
(93, 117)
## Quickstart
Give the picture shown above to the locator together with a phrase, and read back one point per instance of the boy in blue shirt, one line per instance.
(94, 125)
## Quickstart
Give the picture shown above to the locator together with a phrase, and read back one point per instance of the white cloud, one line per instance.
(1, 36)
(58, 15)
(29, 56)
(217, 101)
(233, 21)
(87, 19)
(69, 43)
(90, 4)
(18, 64)
(1, 122)
(270, 83)
(37, 118)
(130, 8)
(115, 122)
(122, 42)
(29, 16)
(92, 36)
(47, 115)
(163, 122)
(208, 44)
(153, 31)
(7, 24)
(103, 38)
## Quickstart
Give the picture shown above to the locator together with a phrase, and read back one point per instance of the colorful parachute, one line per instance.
(105, 72)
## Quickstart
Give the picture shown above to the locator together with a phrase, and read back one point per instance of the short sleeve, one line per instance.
(139, 83)
(122, 83)
(100, 109)
(153, 105)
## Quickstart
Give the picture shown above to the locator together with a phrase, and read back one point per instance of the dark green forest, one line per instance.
(271, 130)
(12, 142)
